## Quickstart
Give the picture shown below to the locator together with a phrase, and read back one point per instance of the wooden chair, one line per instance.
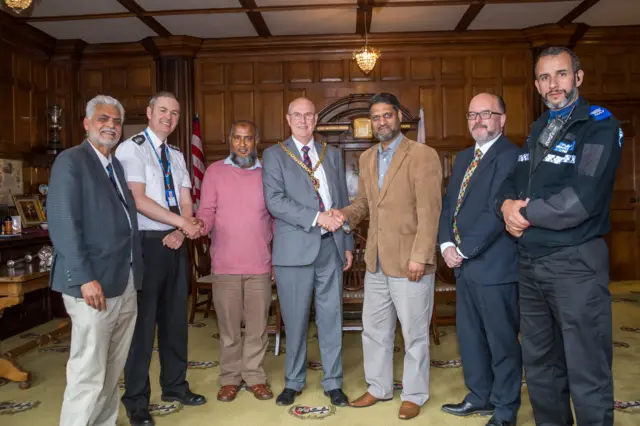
(199, 253)
(202, 280)
(353, 281)
(445, 292)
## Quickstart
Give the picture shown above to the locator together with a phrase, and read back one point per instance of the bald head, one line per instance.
(302, 119)
(486, 117)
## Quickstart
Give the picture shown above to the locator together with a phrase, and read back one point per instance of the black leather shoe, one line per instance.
(497, 422)
(140, 418)
(187, 398)
(287, 396)
(337, 397)
(466, 409)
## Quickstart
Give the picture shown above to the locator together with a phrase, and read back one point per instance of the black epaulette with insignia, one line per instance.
(174, 147)
(139, 139)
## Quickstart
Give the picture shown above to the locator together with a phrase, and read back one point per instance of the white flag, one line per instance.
(421, 130)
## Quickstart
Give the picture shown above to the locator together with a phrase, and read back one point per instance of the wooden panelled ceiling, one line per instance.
(108, 21)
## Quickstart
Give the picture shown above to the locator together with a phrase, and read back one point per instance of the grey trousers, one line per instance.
(296, 287)
(386, 300)
(99, 346)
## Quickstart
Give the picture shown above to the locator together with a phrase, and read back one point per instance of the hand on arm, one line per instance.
(513, 219)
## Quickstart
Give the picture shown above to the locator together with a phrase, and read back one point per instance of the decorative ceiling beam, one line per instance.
(363, 17)
(141, 13)
(577, 11)
(470, 15)
(256, 18)
(135, 8)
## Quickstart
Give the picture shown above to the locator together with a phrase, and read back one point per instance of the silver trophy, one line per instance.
(55, 117)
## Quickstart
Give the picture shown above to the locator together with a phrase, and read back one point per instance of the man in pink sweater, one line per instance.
(233, 210)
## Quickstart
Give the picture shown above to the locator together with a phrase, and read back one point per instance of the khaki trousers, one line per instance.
(242, 299)
(99, 346)
(387, 300)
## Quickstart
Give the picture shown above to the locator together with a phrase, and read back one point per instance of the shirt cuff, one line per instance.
(315, 220)
(445, 246)
(460, 253)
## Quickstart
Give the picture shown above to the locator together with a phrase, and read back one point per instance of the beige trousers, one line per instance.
(242, 299)
(99, 347)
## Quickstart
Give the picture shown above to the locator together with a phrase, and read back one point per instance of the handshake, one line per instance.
(192, 227)
(333, 220)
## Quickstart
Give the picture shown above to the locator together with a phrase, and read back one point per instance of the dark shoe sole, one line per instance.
(291, 403)
(176, 399)
(474, 413)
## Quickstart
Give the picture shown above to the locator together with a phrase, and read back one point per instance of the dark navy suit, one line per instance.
(486, 283)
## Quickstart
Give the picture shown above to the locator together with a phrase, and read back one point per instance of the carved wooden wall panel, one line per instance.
(442, 83)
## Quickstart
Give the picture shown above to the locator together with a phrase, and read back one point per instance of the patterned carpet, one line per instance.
(41, 403)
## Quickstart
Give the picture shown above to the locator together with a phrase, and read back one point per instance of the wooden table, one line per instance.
(14, 284)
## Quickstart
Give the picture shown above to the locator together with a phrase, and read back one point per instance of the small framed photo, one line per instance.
(29, 209)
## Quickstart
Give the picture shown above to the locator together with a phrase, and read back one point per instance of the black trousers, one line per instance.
(565, 313)
(162, 301)
(487, 325)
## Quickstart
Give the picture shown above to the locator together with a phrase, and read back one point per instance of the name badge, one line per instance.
(171, 198)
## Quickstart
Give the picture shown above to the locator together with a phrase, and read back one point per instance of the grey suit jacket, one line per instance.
(291, 199)
(89, 229)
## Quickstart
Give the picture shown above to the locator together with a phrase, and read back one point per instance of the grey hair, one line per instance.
(256, 131)
(159, 95)
(103, 100)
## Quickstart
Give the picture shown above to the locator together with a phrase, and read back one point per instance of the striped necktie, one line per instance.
(463, 188)
(307, 162)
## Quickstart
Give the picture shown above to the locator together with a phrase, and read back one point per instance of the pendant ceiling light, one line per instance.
(18, 5)
(366, 56)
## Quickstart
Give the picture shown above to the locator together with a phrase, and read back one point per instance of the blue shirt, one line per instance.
(385, 157)
(255, 166)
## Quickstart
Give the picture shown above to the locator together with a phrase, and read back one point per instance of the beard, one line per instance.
(244, 162)
(481, 139)
(388, 136)
(97, 137)
(568, 98)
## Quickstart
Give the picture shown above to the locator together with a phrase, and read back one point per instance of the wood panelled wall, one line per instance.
(259, 88)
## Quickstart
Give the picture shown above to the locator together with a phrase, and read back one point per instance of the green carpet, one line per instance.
(48, 367)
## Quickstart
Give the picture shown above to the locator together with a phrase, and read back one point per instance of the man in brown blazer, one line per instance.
(399, 189)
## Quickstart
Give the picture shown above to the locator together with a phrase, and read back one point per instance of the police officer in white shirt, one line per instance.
(157, 175)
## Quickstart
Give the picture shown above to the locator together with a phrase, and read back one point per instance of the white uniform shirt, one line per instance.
(141, 165)
(318, 174)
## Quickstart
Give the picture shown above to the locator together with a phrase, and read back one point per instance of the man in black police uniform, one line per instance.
(556, 203)
(161, 186)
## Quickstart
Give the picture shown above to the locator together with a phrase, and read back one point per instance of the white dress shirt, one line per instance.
(484, 149)
(318, 174)
(141, 165)
(105, 162)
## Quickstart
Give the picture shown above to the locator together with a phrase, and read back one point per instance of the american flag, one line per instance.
(197, 158)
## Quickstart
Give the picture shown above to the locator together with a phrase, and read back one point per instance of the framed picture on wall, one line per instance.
(29, 209)
(352, 169)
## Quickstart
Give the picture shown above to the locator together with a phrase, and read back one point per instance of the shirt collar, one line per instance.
(155, 140)
(228, 161)
(484, 148)
(562, 113)
(104, 160)
(392, 147)
(299, 145)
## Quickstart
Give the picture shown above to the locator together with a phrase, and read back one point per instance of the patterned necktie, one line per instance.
(112, 178)
(463, 188)
(307, 162)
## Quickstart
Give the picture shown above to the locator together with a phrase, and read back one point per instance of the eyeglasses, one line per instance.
(485, 115)
(386, 115)
(297, 116)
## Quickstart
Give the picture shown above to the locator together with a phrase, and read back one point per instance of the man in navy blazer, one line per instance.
(473, 242)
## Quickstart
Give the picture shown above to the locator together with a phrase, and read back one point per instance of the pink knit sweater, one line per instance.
(233, 210)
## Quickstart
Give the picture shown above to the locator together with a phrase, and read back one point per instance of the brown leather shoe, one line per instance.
(366, 400)
(261, 391)
(408, 410)
(228, 393)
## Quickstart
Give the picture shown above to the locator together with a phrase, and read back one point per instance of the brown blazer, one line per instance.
(404, 214)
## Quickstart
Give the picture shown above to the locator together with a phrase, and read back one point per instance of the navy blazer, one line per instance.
(491, 251)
